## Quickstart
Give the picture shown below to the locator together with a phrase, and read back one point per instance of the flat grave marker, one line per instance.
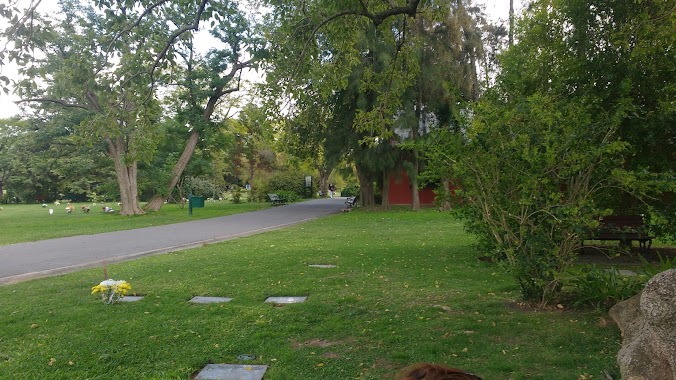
(322, 266)
(285, 300)
(130, 298)
(232, 372)
(201, 299)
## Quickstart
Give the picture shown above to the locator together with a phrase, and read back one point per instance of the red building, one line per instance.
(401, 194)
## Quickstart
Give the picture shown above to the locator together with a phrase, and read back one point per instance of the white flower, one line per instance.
(111, 290)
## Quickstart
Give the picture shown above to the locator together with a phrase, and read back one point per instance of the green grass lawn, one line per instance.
(407, 288)
(21, 223)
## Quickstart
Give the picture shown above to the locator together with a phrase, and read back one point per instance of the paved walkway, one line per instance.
(25, 261)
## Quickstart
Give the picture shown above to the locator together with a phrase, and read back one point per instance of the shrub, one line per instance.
(200, 186)
(286, 181)
(288, 196)
(237, 195)
(350, 190)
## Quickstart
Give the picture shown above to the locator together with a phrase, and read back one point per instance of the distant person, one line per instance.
(107, 209)
(332, 189)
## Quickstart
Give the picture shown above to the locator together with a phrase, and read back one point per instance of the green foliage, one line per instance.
(664, 263)
(289, 181)
(350, 190)
(528, 173)
(546, 150)
(288, 196)
(201, 186)
(602, 288)
(237, 195)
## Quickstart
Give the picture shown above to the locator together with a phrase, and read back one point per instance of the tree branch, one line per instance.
(60, 102)
(195, 26)
(135, 24)
(219, 91)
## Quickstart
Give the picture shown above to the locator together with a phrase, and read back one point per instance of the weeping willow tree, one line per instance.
(371, 60)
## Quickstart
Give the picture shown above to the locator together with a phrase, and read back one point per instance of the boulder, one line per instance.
(648, 325)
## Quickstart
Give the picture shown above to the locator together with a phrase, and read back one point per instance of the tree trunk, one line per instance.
(386, 190)
(252, 171)
(413, 179)
(413, 175)
(158, 200)
(446, 204)
(126, 173)
(324, 174)
(366, 191)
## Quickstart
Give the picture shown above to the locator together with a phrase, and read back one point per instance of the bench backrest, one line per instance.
(622, 222)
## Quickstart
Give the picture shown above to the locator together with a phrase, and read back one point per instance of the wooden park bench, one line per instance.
(275, 199)
(351, 202)
(625, 228)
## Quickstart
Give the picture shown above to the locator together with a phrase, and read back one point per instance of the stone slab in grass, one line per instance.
(200, 299)
(624, 272)
(281, 300)
(322, 266)
(131, 298)
(232, 372)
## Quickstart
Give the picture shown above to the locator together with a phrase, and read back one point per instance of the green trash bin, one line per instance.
(195, 202)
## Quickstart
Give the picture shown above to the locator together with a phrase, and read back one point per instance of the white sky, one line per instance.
(496, 9)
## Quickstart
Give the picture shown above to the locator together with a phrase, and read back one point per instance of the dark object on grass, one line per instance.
(426, 371)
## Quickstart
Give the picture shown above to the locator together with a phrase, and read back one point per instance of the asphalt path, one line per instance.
(25, 261)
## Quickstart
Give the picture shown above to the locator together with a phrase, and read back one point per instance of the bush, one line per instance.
(200, 186)
(288, 196)
(286, 181)
(237, 195)
(350, 190)
(528, 190)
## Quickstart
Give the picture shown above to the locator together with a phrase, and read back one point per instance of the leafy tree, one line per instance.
(374, 74)
(126, 50)
(255, 136)
(544, 148)
(46, 160)
(205, 80)
(310, 134)
(86, 68)
(10, 133)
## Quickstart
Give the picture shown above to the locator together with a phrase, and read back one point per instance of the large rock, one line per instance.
(648, 325)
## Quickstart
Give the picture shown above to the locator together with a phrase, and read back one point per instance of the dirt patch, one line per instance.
(320, 343)
(331, 355)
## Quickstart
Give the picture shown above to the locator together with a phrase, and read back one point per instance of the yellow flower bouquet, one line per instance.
(111, 290)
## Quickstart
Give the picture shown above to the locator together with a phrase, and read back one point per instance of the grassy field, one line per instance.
(407, 288)
(21, 223)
